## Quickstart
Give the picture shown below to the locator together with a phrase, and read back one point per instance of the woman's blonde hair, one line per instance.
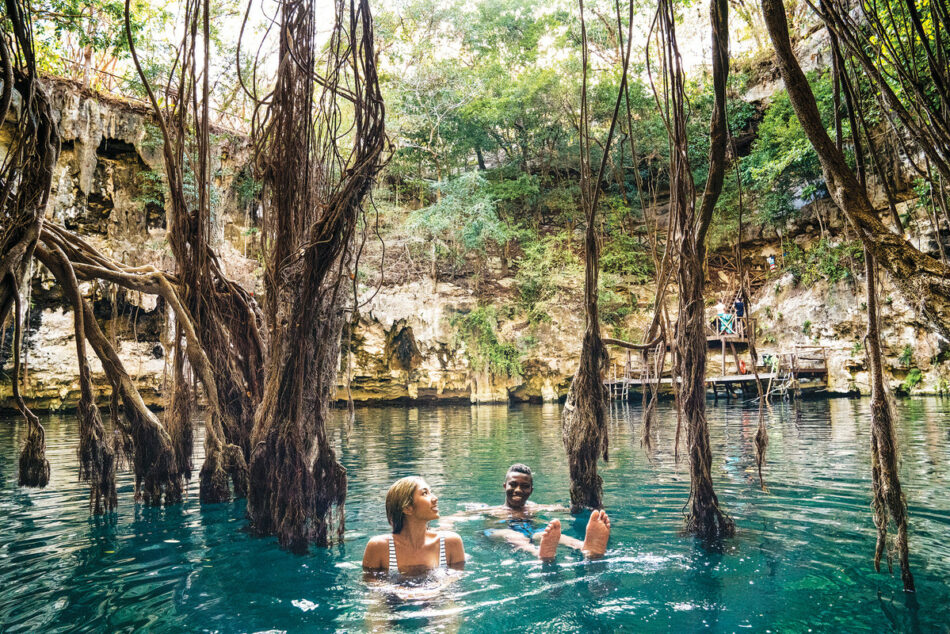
(398, 498)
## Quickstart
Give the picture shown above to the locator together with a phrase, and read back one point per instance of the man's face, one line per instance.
(518, 489)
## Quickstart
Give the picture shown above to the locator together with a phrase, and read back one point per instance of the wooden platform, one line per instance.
(725, 386)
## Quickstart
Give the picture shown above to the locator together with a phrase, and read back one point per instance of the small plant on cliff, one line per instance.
(248, 188)
(477, 332)
(806, 327)
(914, 377)
(906, 356)
(823, 261)
(547, 270)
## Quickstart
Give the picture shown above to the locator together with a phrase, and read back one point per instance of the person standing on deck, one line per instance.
(739, 307)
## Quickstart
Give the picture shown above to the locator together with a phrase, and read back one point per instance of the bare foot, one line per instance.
(549, 540)
(598, 533)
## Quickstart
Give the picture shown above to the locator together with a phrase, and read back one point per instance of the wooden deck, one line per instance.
(727, 386)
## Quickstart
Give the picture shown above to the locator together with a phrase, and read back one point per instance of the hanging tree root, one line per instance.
(26, 174)
(584, 420)
(96, 459)
(704, 517)
(34, 467)
(157, 480)
(222, 323)
(888, 498)
(584, 425)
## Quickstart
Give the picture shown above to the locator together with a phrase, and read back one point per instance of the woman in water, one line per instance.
(412, 548)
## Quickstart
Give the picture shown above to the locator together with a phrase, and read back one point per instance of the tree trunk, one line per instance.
(310, 214)
(923, 280)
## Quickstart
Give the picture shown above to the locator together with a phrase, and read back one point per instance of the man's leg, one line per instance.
(548, 540)
(595, 541)
(597, 536)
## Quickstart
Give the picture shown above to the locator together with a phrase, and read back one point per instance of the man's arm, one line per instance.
(448, 523)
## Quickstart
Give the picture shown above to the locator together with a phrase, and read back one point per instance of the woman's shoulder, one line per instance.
(450, 536)
(379, 541)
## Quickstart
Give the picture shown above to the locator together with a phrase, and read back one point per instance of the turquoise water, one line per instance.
(801, 559)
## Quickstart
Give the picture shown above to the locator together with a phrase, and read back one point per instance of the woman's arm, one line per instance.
(454, 551)
(376, 555)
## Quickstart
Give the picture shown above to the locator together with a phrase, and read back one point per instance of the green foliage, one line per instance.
(477, 332)
(547, 269)
(906, 356)
(782, 159)
(914, 377)
(152, 188)
(74, 37)
(823, 261)
(463, 220)
(806, 327)
(627, 256)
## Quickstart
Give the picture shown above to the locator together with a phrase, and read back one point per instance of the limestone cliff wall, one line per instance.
(403, 346)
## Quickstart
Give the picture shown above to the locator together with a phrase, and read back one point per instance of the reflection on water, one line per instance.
(801, 558)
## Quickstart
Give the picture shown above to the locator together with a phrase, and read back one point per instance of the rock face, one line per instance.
(108, 187)
(403, 346)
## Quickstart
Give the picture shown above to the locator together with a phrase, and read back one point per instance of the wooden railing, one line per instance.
(732, 328)
(805, 359)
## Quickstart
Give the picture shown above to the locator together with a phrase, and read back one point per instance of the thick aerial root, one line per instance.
(178, 424)
(584, 425)
(236, 466)
(157, 480)
(34, 467)
(220, 466)
(214, 479)
(281, 494)
(708, 522)
(888, 499)
(97, 461)
(761, 445)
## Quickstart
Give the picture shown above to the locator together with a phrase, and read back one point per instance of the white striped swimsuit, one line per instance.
(394, 567)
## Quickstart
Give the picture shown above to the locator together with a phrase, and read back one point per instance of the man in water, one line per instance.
(521, 532)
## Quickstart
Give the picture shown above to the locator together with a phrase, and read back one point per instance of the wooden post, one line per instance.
(722, 340)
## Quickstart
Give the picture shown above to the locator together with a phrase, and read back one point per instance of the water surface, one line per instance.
(801, 559)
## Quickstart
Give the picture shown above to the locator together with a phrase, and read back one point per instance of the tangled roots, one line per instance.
(330, 479)
(178, 423)
(220, 466)
(34, 467)
(97, 460)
